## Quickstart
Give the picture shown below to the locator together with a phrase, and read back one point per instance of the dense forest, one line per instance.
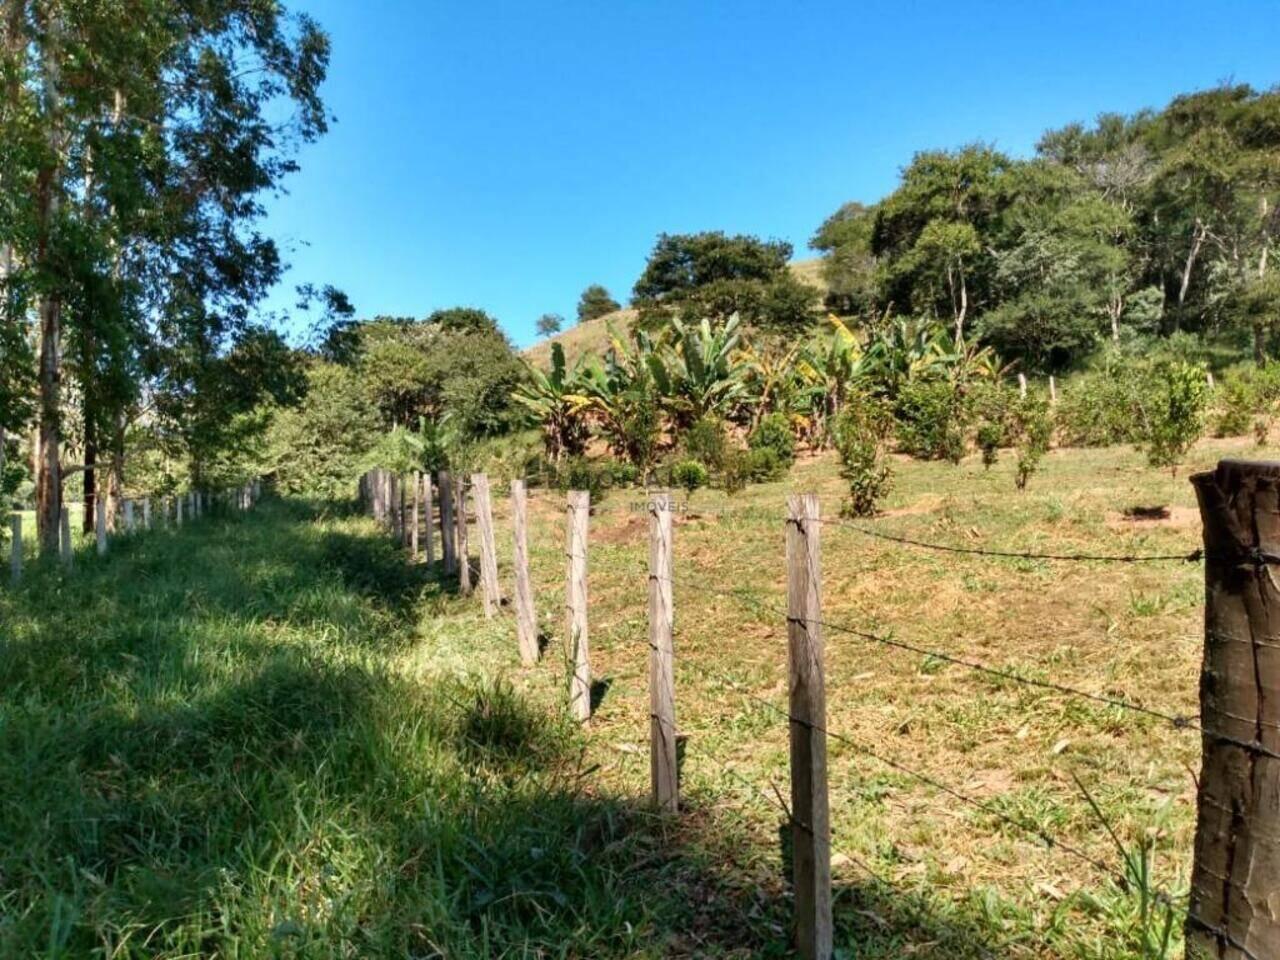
(138, 151)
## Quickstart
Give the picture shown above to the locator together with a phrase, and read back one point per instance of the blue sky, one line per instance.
(506, 155)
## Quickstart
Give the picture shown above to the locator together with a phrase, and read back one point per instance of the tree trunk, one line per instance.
(1196, 243)
(963, 311)
(87, 522)
(49, 201)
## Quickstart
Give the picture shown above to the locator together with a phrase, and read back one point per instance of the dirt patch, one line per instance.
(929, 503)
(628, 530)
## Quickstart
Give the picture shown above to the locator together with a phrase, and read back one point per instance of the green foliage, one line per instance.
(558, 402)
(1173, 411)
(319, 447)
(990, 438)
(1032, 431)
(774, 433)
(860, 434)
(1247, 399)
(549, 323)
(463, 320)
(1097, 409)
(931, 419)
(689, 475)
(705, 442)
(714, 276)
(579, 473)
(596, 302)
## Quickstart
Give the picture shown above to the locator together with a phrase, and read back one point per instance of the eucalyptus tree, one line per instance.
(138, 141)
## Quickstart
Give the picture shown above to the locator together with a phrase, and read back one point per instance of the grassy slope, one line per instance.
(592, 337)
(257, 737)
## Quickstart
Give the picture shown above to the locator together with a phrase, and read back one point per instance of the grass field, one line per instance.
(269, 736)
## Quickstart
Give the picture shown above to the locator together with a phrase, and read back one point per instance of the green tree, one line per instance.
(549, 323)
(596, 302)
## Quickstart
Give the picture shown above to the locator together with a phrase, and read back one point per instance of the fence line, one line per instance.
(1222, 929)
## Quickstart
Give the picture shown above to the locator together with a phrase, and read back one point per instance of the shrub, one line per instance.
(1097, 409)
(751, 466)
(689, 475)
(1033, 429)
(773, 433)
(579, 473)
(1173, 407)
(992, 405)
(1237, 403)
(860, 434)
(931, 420)
(990, 437)
(705, 442)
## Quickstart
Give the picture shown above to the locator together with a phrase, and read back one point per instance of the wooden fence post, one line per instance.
(428, 513)
(146, 513)
(488, 546)
(662, 681)
(402, 505)
(128, 516)
(1053, 389)
(576, 605)
(460, 517)
(810, 815)
(447, 528)
(1236, 872)
(100, 524)
(526, 619)
(177, 510)
(1022, 385)
(65, 538)
(15, 548)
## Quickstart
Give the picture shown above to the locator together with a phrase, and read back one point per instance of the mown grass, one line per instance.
(271, 736)
(947, 879)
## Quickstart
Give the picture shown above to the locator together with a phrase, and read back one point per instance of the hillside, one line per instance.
(592, 337)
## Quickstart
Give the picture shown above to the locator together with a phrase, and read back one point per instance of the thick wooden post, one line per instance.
(1053, 389)
(464, 553)
(100, 524)
(1235, 881)
(64, 540)
(15, 549)
(146, 513)
(810, 815)
(662, 680)
(1022, 385)
(177, 511)
(402, 512)
(579, 511)
(414, 520)
(488, 546)
(128, 516)
(526, 619)
(428, 516)
(448, 530)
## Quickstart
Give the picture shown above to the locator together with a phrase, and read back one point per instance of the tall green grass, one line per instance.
(205, 750)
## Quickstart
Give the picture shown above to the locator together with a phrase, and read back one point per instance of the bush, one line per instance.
(1237, 404)
(1097, 409)
(860, 434)
(579, 473)
(990, 438)
(1173, 407)
(689, 475)
(931, 421)
(773, 433)
(992, 405)
(1032, 429)
(706, 443)
(751, 466)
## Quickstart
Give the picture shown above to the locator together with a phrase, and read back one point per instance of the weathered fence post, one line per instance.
(447, 529)
(100, 524)
(810, 815)
(146, 513)
(460, 517)
(662, 681)
(402, 504)
(128, 516)
(488, 546)
(579, 511)
(1022, 385)
(526, 621)
(428, 515)
(64, 541)
(177, 510)
(415, 521)
(1053, 389)
(15, 548)
(1236, 875)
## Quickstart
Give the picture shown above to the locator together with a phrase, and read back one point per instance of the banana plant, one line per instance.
(558, 402)
(771, 379)
(829, 369)
(701, 371)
